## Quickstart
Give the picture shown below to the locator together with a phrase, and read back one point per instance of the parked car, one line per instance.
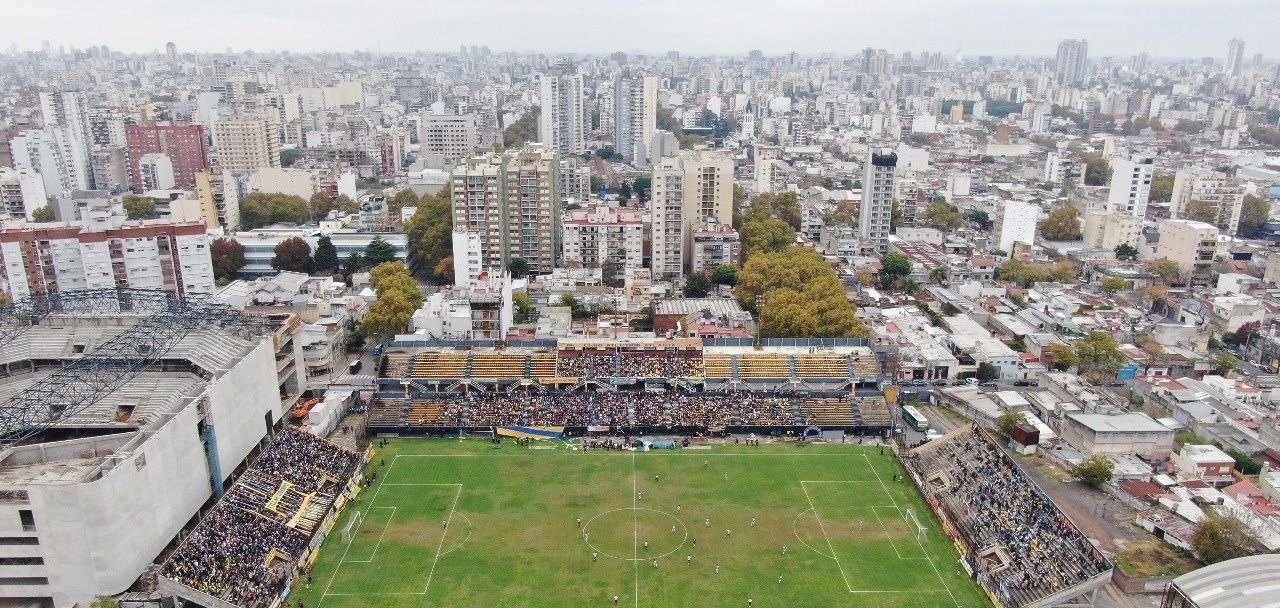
(919, 383)
(971, 381)
(1022, 383)
(940, 382)
(988, 384)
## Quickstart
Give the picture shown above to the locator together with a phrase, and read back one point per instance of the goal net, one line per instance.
(920, 529)
(352, 525)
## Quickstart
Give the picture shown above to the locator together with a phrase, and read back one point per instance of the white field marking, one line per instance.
(380, 536)
(922, 549)
(847, 586)
(353, 538)
(887, 536)
(471, 528)
(635, 530)
(634, 511)
(801, 539)
(443, 533)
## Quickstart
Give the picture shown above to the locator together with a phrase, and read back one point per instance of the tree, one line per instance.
(401, 199)
(909, 286)
(326, 256)
(1202, 211)
(444, 270)
(1094, 471)
(1114, 285)
(346, 206)
(394, 276)
(943, 217)
(940, 274)
(292, 254)
(784, 207)
(518, 267)
(1161, 188)
(1169, 271)
(1097, 171)
(379, 251)
(576, 309)
(227, 256)
(725, 274)
(524, 129)
(1063, 224)
(697, 285)
(1125, 251)
(260, 209)
(1099, 356)
(642, 186)
(353, 264)
(1061, 357)
(320, 206)
(597, 183)
(289, 156)
(1244, 333)
(988, 371)
(388, 316)
(139, 207)
(797, 294)
(1254, 213)
(430, 234)
(981, 218)
(893, 266)
(766, 235)
(624, 192)
(1219, 538)
(1223, 362)
(42, 214)
(523, 307)
(1006, 422)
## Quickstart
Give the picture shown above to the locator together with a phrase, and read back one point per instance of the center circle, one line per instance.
(622, 534)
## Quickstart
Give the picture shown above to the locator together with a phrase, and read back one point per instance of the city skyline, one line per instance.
(1170, 29)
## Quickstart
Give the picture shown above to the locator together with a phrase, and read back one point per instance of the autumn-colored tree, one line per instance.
(1219, 538)
(443, 271)
(227, 256)
(139, 207)
(1161, 188)
(1202, 211)
(766, 235)
(292, 254)
(1063, 224)
(260, 209)
(1169, 271)
(1061, 357)
(801, 294)
(388, 316)
(320, 205)
(401, 199)
(1099, 356)
(430, 235)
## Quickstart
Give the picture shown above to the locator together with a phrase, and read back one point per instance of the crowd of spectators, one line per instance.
(993, 503)
(620, 408)
(631, 365)
(227, 555)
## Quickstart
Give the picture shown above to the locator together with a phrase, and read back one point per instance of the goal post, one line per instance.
(919, 528)
(353, 524)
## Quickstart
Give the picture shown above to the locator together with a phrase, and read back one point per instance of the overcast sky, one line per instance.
(1163, 28)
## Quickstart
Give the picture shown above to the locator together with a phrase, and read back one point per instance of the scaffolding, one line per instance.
(165, 320)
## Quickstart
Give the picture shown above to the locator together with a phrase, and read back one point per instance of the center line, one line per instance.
(635, 531)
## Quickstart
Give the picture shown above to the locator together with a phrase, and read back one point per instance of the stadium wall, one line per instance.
(98, 535)
(239, 402)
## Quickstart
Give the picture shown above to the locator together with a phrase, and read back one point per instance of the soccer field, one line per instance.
(465, 524)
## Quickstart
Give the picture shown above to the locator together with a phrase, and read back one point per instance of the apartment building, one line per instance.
(245, 144)
(149, 254)
(714, 245)
(512, 200)
(1207, 196)
(1106, 230)
(452, 137)
(1016, 224)
(184, 146)
(1130, 185)
(598, 235)
(878, 187)
(219, 197)
(689, 190)
(635, 116)
(562, 122)
(21, 192)
(1072, 61)
(1193, 245)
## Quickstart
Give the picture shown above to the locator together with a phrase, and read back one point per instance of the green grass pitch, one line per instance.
(512, 536)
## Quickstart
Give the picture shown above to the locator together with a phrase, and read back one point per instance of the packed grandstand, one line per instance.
(1023, 548)
(246, 548)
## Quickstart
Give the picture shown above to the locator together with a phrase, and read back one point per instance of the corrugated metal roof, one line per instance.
(1245, 582)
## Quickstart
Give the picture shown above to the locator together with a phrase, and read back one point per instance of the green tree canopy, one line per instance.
(725, 274)
(943, 217)
(1169, 271)
(523, 130)
(1125, 251)
(1061, 357)
(940, 274)
(1094, 471)
(766, 235)
(227, 256)
(783, 206)
(523, 307)
(518, 267)
(1223, 362)
(430, 234)
(292, 254)
(1254, 213)
(988, 371)
(378, 251)
(1219, 538)
(402, 198)
(443, 271)
(1099, 356)
(139, 207)
(1006, 422)
(1202, 211)
(42, 214)
(697, 285)
(260, 209)
(1063, 224)
(893, 266)
(320, 205)
(1114, 285)
(1097, 171)
(326, 256)
(1161, 188)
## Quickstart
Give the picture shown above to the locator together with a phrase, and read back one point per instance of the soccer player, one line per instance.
(615, 600)
(707, 522)
(579, 522)
(655, 564)
(753, 522)
(688, 559)
(595, 555)
(779, 579)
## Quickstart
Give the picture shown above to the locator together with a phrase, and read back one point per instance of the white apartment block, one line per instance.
(562, 123)
(157, 172)
(41, 153)
(284, 180)
(598, 235)
(1071, 63)
(575, 180)
(467, 260)
(21, 192)
(878, 186)
(452, 137)
(1016, 224)
(1130, 185)
(245, 144)
(770, 169)
(635, 116)
(512, 200)
(689, 190)
(1193, 245)
(1106, 230)
(1225, 197)
(1060, 168)
(219, 196)
(67, 122)
(150, 254)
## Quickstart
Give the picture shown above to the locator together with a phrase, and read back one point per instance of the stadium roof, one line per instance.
(1245, 582)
